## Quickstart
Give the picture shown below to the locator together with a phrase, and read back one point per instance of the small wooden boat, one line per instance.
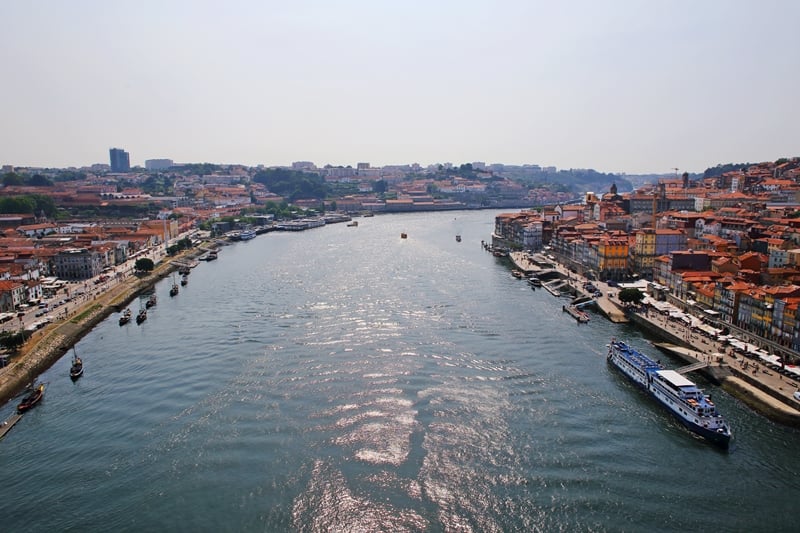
(184, 280)
(125, 317)
(458, 238)
(151, 301)
(76, 370)
(352, 224)
(173, 291)
(403, 235)
(142, 316)
(32, 398)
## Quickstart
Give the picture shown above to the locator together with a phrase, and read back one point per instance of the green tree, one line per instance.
(37, 180)
(292, 184)
(44, 204)
(13, 340)
(631, 295)
(380, 186)
(17, 204)
(144, 264)
(29, 203)
(69, 175)
(11, 178)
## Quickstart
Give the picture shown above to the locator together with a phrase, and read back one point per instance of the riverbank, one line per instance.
(48, 345)
(764, 390)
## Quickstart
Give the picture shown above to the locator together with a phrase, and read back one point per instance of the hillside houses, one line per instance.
(726, 252)
(70, 252)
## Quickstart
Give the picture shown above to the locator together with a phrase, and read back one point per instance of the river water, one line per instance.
(343, 378)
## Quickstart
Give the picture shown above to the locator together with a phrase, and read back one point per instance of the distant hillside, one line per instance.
(574, 180)
(719, 170)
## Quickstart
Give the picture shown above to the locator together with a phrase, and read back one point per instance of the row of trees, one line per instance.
(13, 340)
(292, 184)
(183, 244)
(35, 180)
(28, 203)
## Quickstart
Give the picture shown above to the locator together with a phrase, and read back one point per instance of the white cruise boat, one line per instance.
(674, 391)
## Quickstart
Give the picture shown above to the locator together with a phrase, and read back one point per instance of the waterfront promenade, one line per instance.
(760, 387)
(49, 344)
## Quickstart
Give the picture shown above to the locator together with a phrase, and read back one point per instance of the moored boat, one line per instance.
(352, 224)
(458, 238)
(184, 280)
(403, 235)
(675, 392)
(32, 398)
(141, 316)
(76, 369)
(125, 317)
(151, 301)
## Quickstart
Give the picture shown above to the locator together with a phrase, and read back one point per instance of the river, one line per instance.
(343, 378)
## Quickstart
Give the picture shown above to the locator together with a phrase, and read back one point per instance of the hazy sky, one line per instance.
(629, 86)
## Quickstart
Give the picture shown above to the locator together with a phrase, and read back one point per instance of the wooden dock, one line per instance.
(576, 313)
(9, 423)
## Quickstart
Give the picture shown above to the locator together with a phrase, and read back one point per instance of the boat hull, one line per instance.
(722, 440)
(31, 400)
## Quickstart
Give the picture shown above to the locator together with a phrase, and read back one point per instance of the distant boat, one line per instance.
(353, 224)
(247, 234)
(369, 214)
(151, 301)
(403, 235)
(212, 255)
(32, 398)
(76, 370)
(184, 280)
(142, 316)
(125, 317)
(458, 238)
